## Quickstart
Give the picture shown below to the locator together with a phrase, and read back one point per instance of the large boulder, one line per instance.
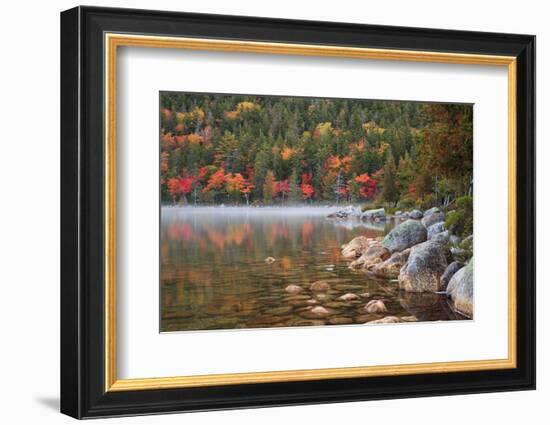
(435, 229)
(416, 214)
(390, 268)
(422, 273)
(379, 213)
(376, 253)
(405, 235)
(461, 290)
(449, 273)
(354, 248)
(433, 218)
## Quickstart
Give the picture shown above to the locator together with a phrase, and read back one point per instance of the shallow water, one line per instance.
(214, 274)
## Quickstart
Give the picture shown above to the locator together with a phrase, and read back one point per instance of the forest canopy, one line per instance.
(240, 149)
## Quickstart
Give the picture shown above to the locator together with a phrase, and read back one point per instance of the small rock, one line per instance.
(376, 253)
(433, 218)
(277, 311)
(387, 319)
(409, 319)
(349, 297)
(378, 213)
(376, 306)
(467, 243)
(435, 229)
(269, 260)
(340, 320)
(354, 248)
(320, 311)
(390, 268)
(320, 286)
(441, 238)
(416, 214)
(460, 254)
(454, 240)
(365, 295)
(294, 289)
(431, 211)
(347, 212)
(312, 302)
(448, 273)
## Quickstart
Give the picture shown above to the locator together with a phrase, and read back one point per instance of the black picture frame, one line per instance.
(83, 392)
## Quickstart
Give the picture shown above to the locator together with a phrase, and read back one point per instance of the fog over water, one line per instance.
(214, 273)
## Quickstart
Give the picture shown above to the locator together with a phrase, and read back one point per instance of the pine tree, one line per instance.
(268, 187)
(294, 194)
(390, 191)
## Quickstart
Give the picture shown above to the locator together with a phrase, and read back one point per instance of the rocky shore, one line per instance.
(418, 254)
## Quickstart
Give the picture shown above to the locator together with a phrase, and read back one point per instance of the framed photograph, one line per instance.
(261, 212)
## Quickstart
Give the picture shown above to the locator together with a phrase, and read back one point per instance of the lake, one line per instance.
(214, 274)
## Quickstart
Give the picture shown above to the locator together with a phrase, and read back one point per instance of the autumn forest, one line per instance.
(267, 150)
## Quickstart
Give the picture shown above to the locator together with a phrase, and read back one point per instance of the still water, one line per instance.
(214, 273)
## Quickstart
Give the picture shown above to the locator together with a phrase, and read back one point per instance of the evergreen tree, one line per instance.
(294, 194)
(390, 191)
(268, 187)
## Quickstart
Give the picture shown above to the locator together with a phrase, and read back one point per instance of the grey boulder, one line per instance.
(449, 273)
(416, 214)
(433, 218)
(422, 273)
(436, 228)
(461, 290)
(405, 235)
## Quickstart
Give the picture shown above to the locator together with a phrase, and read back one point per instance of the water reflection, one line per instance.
(214, 274)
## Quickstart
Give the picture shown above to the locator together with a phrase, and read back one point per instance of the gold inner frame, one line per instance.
(113, 41)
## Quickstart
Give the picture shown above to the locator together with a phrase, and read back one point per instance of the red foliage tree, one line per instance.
(307, 188)
(367, 185)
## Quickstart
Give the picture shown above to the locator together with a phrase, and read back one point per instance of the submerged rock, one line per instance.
(433, 218)
(409, 319)
(390, 268)
(448, 273)
(320, 286)
(349, 297)
(340, 320)
(356, 247)
(376, 253)
(461, 289)
(277, 311)
(320, 311)
(387, 319)
(294, 289)
(376, 306)
(405, 235)
(423, 271)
